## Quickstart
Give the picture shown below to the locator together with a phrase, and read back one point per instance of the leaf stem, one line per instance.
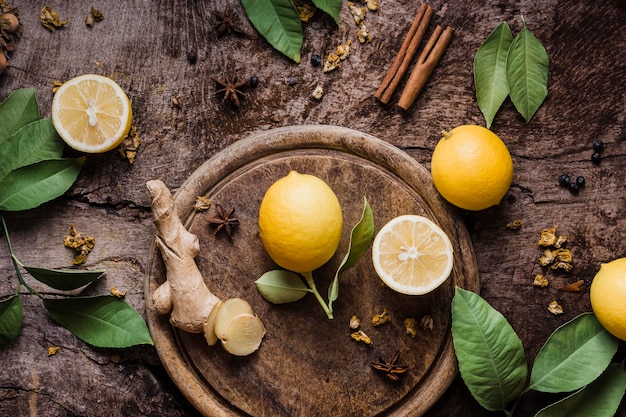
(17, 263)
(308, 276)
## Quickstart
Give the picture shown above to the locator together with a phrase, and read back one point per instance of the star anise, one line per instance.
(225, 220)
(230, 88)
(226, 22)
(391, 369)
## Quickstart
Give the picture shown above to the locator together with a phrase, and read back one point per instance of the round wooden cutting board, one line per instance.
(308, 365)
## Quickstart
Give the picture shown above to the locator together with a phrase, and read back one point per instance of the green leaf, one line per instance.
(64, 279)
(30, 186)
(601, 398)
(360, 239)
(101, 321)
(279, 23)
(491, 357)
(527, 73)
(18, 110)
(10, 320)
(332, 7)
(490, 78)
(35, 142)
(573, 356)
(280, 286)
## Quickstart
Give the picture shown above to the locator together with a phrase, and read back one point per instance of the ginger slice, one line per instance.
(209, 325)
(243, 335)
(227, 312)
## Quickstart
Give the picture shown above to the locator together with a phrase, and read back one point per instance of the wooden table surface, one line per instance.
(143, 45)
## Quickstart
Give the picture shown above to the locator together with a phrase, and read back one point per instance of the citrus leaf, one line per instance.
(573, 356)
(64, 279)
(279, 23)
(280, 286)
(491, 357)
(30, 186)
(490, 79)
(35, 142)
(10, 320)
(332, 7)
(601, 398)
(527, 66)
(101, 321)
(18, 110)
(360, 239)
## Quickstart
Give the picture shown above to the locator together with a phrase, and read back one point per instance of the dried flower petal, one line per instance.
(82, 244)
(515, 224)
(410, 326)
(355, 323)
(117, 293)
(555, 308)
(381, 318)
(202, 203)
(360, 336)
(53, 350)
(548, 237)
(540, 281)
(427, 323)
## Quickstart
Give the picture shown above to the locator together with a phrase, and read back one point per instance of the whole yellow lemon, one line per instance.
(472, 167)
(608, 297)
(300, 222)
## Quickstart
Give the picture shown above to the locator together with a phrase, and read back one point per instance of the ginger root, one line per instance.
(184, 294)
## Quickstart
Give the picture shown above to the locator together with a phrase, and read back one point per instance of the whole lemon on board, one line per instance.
(471, 167)
(300, 222)
(608, 297)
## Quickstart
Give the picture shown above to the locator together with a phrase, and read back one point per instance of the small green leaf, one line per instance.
(527, 68)
(360, 239)
(332, 7)
(35, 142)
(279, 23)
(30, 186)
(64, 279)
(101, 321)
(490, 79)
(18, 110)
(601, 398)
(10, 320)
(280, 286)
(491, 357)
(573, 356)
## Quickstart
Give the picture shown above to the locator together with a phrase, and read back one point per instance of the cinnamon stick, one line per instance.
(407, 51)
(426, 63)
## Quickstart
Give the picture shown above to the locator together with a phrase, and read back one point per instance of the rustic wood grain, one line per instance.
(143, 46)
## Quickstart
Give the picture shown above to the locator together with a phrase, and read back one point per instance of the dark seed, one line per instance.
(596, 157)
(580, 181)
(316, 60)
(292, 81)
(598, 146)
(254, 81)
(192, 57)
(573, 187)
(564, 180)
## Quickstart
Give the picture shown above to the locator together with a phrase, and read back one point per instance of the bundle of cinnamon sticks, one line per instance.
(426, 62)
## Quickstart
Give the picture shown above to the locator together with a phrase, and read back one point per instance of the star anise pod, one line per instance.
(225, 220)
(391, 369)
(226, 22)
(230, 88)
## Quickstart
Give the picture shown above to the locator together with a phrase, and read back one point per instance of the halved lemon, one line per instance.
(412, 255)
(91, 113)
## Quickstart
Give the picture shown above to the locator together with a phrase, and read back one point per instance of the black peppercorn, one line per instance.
(292, 81)
(192, 57)
(598, 146)
(580, 181)
(596, 157)
(316, 60)
(564, 180)
(254, 81)
(573, 187)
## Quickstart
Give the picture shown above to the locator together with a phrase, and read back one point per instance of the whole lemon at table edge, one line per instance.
(471, 167)
(300, 222)
(608, 297)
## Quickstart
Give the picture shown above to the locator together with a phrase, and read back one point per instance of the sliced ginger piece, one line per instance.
(209, 325)
(227, 311)
(243, 335)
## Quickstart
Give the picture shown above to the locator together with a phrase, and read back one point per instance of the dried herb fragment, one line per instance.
(81, 244)
(381, 318)
(410, 325)
(333, 61)
(515, 224)
(230, 88)
(117, 293)
(130, 146)
(52, 350)
(94, 15)
(360, 336)
(555, 308)
(305, 9)
(391, 369)
(50, 19)
(202, 203)
(355, 323)
(427, 323)
(225, 220)
(540, 281)
(572, 287)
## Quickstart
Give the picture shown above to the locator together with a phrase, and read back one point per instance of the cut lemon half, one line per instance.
(412, 255)
(91, 113)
